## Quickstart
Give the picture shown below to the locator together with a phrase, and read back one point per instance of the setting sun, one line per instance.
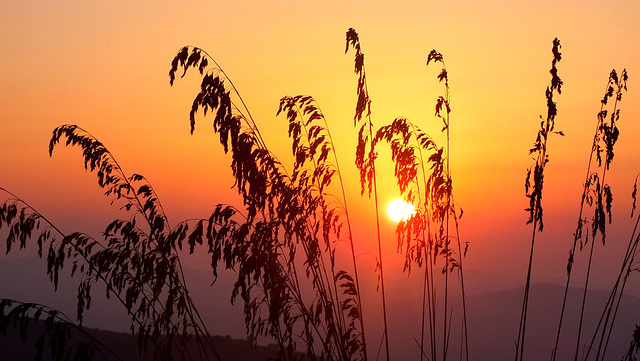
(400, 210)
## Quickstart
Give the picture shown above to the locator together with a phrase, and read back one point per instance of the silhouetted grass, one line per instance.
(281, 244)
(596, 192)
(534, 189)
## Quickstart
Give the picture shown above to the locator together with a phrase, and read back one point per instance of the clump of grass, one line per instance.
(137, 260)
(596, 192)
(56, 332)
(422, 170)
(291, 220)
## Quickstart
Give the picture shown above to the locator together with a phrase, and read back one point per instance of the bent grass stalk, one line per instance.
(608, 137)
(604, 139)
(578, 234)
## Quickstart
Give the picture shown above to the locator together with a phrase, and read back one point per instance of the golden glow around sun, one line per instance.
(400, 210)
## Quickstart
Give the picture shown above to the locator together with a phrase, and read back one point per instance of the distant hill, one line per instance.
(12, 348)
(25, 279)
(493, 315)
(494, 318)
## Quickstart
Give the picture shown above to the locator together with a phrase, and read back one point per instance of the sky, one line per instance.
(103, 65)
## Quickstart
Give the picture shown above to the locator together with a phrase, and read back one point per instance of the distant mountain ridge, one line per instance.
(493, 315)
(12, 348)
(493, 323)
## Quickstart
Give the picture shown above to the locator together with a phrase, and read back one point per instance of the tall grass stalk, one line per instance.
(423, 178)
(534, 191)
(444, 102)
(595, 193)
(365, 158)
(608, 137)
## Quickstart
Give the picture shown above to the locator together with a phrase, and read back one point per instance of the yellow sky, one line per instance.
(103, 65)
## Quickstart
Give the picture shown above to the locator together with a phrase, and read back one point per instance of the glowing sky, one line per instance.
(103, 65)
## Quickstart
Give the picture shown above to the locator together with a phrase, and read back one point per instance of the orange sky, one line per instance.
(103, 65)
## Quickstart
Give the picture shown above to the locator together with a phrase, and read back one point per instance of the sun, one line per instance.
(399, 210)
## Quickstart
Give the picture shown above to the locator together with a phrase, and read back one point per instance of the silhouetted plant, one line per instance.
(365, 160)
(596, 192)
(422, 173)
(138, 261)
(609, 314)
(285, 213)
(446, 188)
(533, 189)
(634, 347)
(317, 133)
(56, 333)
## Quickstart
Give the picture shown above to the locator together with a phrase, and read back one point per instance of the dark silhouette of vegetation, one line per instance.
(55, 332)
(365, 160)
(596, 193)
(15, 349)
(282, 243)
(534, 191)
(634, 347)
(423, 177)
(137, 260)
